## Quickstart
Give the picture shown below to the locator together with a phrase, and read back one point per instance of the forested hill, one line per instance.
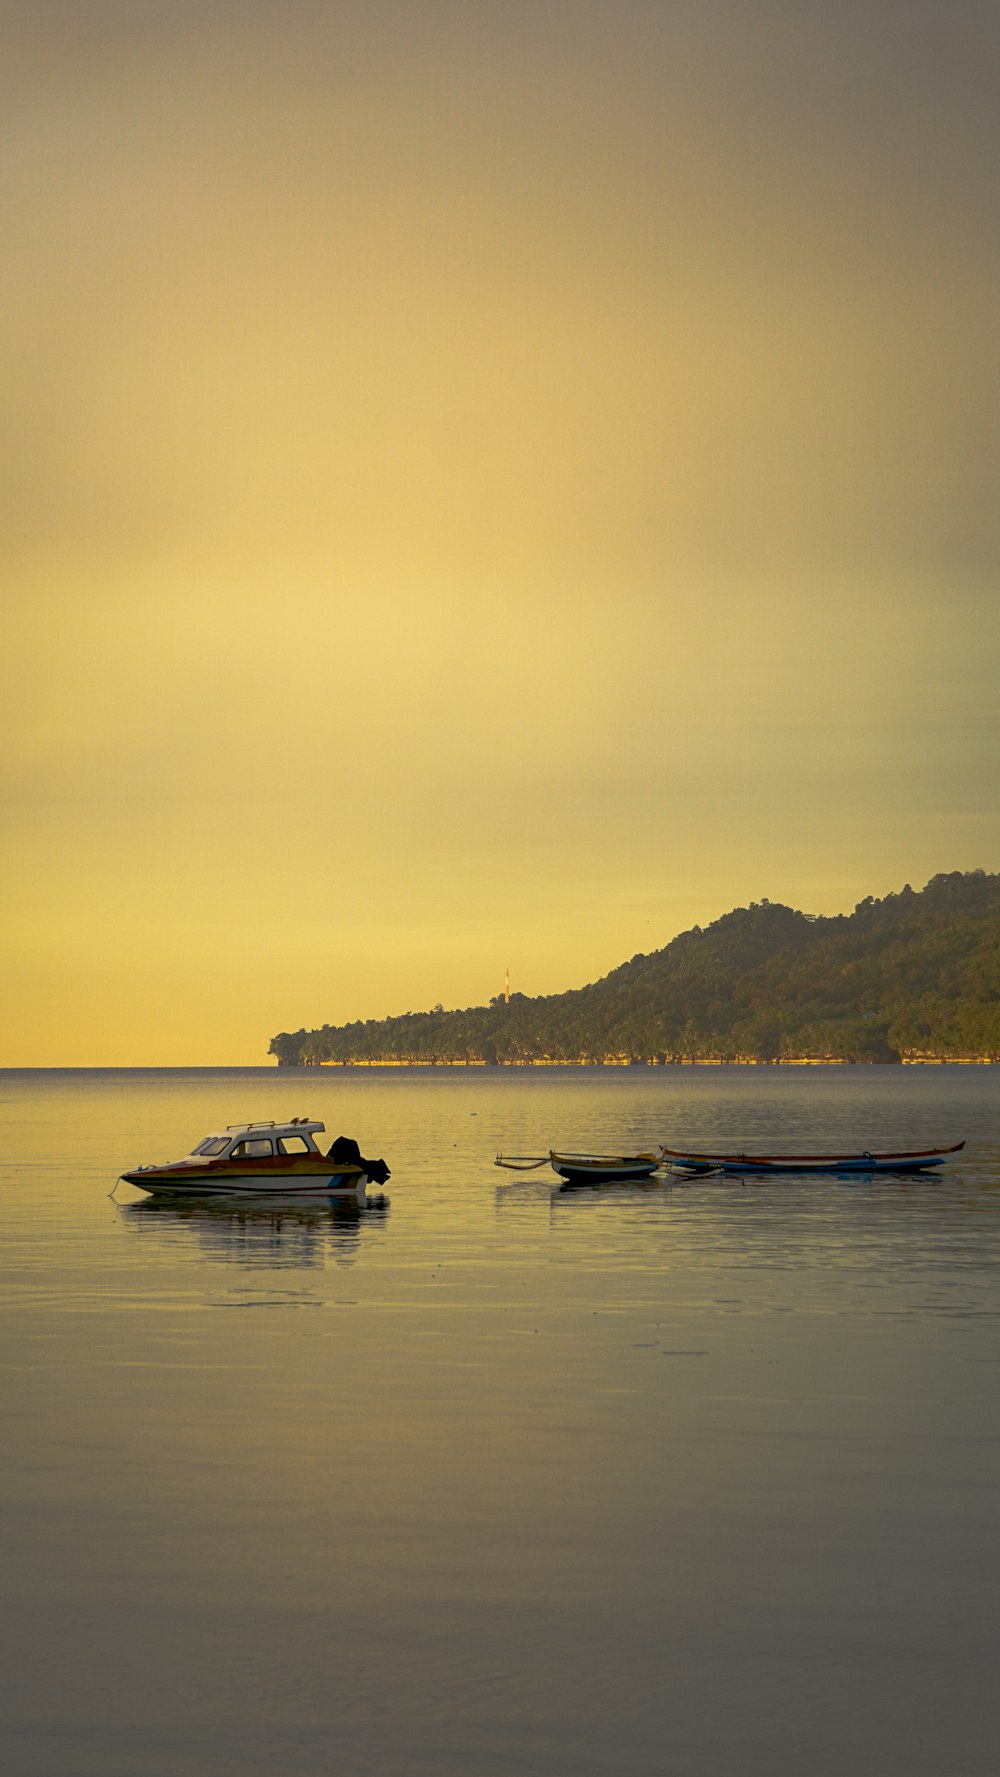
(915, 975)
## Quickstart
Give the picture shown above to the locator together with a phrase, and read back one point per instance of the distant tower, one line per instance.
(506, 987)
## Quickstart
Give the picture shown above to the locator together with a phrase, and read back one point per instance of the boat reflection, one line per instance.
(264, 1235)
(547, 1190)
(582, 1190)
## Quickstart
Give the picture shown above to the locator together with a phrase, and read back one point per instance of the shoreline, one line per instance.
(614, 1061)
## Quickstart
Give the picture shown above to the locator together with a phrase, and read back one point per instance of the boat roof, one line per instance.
(296, 1126)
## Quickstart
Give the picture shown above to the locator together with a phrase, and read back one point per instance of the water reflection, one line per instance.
(264, 1236)
(552, 1192)
(588, 1189)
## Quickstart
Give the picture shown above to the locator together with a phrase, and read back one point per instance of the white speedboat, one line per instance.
(262, 1160)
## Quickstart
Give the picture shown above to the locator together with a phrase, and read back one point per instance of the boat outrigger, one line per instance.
(580, 1169)
(263, 1159)
(912, 1161)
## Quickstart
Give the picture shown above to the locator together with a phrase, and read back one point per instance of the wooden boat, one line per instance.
(900, 1161)
(589, 1169)
(262, 1160)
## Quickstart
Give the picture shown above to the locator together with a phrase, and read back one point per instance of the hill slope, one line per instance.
(911, 976)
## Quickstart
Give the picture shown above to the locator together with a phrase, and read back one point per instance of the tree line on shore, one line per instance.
(913, 976)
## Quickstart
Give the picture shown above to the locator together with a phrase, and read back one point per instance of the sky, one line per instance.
(483, 486)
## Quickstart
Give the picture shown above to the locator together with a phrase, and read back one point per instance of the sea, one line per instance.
(693, 1478)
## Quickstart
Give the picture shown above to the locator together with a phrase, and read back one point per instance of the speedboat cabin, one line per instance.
(260, 1141)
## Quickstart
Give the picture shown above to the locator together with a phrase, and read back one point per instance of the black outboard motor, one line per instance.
(345, 1152)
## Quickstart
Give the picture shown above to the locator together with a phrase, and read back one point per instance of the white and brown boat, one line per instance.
(585, 1169)
(263, 1160)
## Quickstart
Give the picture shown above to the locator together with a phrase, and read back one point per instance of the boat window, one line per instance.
(256, 1148)
(212, 1144)
(293, 1144)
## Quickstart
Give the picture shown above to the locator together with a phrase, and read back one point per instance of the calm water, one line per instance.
(690, 1478)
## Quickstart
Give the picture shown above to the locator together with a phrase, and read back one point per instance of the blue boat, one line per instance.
(910, 1161)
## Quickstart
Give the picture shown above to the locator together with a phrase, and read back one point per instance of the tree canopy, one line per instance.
(914, 975)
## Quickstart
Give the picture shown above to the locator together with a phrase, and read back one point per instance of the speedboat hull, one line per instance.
(190, 1181)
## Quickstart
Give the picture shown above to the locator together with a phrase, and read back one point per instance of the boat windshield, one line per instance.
(212, 1144)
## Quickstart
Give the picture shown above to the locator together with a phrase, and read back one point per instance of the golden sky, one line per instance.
(482, 485)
